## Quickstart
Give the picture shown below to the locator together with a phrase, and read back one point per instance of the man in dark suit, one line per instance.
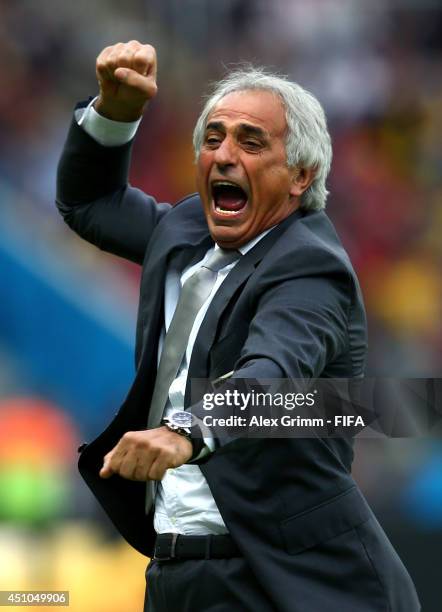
(234, 523)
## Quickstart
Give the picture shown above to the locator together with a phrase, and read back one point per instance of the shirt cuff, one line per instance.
(106, 132)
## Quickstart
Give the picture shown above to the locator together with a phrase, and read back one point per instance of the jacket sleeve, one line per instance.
(96, 200)
(299, 327)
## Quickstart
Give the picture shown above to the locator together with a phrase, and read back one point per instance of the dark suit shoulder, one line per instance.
(185, 223)
(190, 207)
(308, 246)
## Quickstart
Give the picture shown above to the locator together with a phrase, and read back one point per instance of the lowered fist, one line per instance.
(126, 74)
(146, 455)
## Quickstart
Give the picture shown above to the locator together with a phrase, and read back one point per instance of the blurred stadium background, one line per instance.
(67, 311)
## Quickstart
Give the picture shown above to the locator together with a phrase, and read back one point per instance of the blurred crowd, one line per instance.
(375, 67)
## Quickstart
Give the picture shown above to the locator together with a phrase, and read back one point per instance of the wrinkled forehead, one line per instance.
(260, 108)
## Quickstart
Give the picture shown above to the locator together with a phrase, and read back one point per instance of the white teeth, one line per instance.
(226, 183)
(230, 213)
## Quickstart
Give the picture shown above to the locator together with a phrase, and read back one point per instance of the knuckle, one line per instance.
(135, 440)
(140, 54)
(129, 436)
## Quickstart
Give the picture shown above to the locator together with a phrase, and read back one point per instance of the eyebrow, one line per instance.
(251, 130)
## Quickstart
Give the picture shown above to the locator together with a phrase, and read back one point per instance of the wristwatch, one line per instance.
(181, 422)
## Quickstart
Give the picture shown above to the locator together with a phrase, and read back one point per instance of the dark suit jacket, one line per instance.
(292, 308)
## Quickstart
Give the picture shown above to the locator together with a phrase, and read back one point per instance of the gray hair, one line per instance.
(308, 142)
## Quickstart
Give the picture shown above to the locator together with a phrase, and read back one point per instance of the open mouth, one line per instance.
(229, 199)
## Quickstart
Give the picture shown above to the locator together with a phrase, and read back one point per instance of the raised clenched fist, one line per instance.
(126, 74)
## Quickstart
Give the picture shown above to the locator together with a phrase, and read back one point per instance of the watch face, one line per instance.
(182, 418)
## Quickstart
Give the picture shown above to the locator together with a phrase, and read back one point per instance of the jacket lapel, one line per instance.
(237, 277)
(177, 242)
(151, 314)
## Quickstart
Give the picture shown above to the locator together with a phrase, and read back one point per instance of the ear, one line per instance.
(302, 178)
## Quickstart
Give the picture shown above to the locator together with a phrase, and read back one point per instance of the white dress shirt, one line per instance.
(183, 503)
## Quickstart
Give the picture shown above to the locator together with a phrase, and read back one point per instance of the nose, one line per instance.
(226, 154)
